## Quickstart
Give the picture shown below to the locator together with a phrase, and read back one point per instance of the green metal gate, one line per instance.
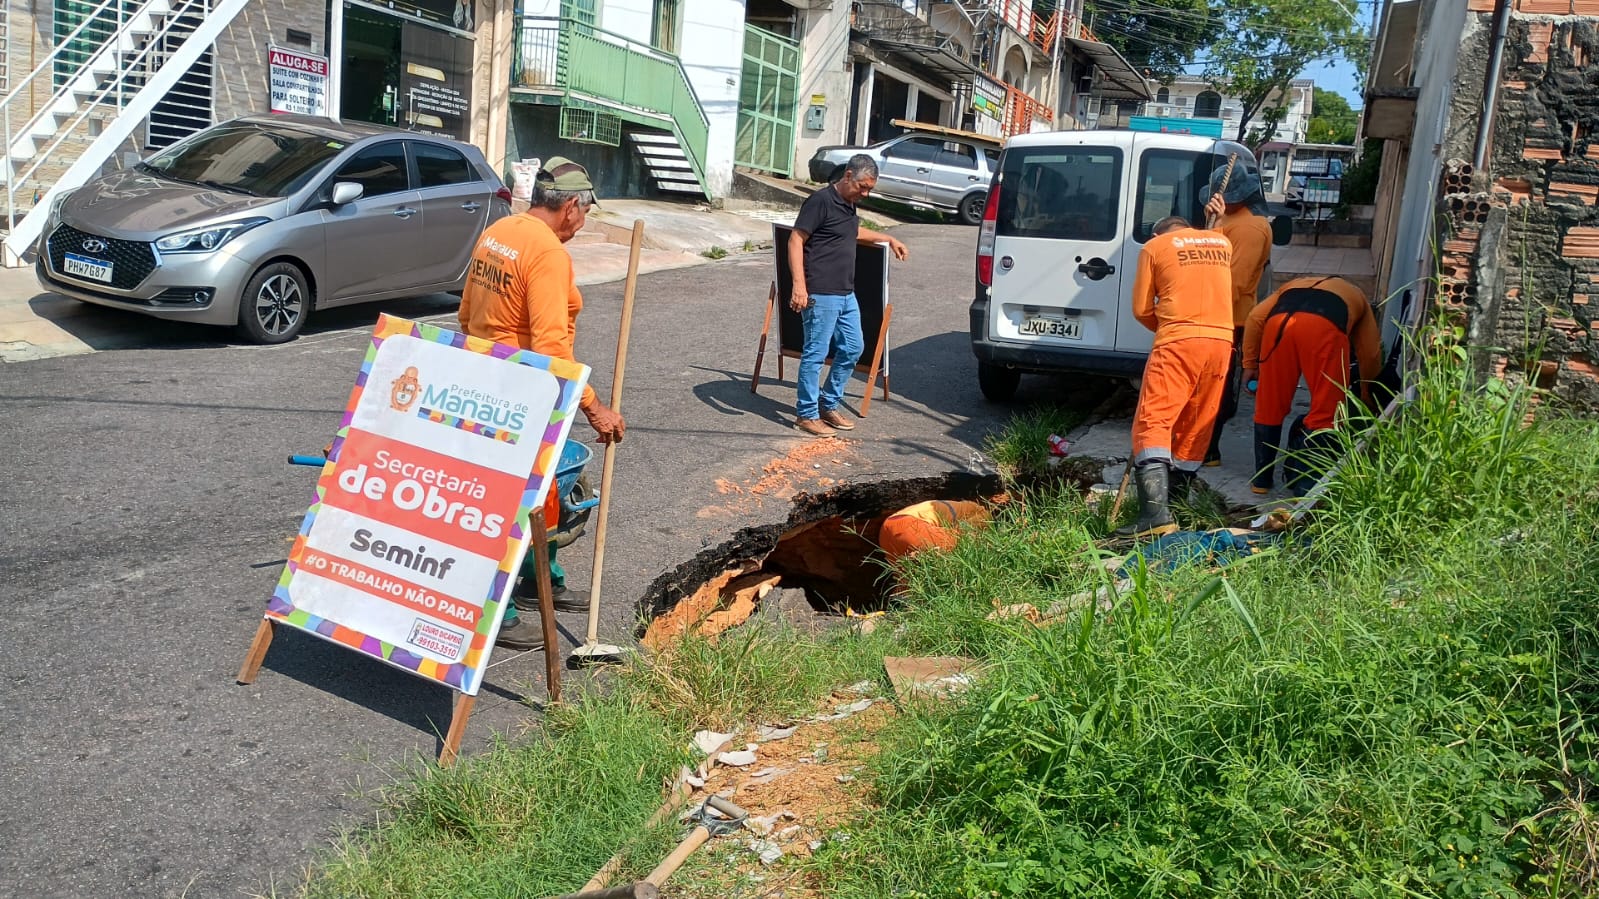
(768, 103)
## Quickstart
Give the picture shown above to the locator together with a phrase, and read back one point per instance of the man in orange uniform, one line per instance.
(1182, 292)
(521, 290)
(1306, 328)
(1250, 235)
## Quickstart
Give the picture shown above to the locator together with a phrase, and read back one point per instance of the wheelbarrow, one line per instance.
(578, 496)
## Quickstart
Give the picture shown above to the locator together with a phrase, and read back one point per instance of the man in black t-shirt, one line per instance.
(821, 256)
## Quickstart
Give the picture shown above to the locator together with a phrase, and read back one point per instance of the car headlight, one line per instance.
(204, 240)
(55, 204)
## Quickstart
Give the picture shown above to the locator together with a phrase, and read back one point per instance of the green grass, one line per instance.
(538, 816)
(1397, 708)
(1393, 702)
(1021, 450)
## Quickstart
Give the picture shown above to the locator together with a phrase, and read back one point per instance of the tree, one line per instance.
(1264, 44)
(1159, 37)
(1332, 121)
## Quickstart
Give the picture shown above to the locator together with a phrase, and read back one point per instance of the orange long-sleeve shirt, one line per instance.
(1250, 235)
(521, 290)
(1191, 272)
(1364, 336)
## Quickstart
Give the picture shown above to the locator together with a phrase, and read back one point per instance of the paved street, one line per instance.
(148, 509)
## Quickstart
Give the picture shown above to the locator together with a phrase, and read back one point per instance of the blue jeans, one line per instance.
(832, 322)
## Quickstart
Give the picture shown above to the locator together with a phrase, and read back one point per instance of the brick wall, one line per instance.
(1520, 242)
(241, 51)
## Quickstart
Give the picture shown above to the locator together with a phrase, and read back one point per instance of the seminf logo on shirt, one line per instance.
(1202, 250)
(491, 272)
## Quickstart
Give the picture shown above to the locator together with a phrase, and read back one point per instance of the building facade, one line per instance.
(1188, 97)
(1488, 196)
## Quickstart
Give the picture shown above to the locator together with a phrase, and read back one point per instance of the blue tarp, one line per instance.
(1213, 549)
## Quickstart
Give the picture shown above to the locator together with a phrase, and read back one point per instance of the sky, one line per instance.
(1339, 77)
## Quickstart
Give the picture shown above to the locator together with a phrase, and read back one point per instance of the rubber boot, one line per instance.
(1267, 438)
(1310, 455)
(1154, 506)
(1182, 485)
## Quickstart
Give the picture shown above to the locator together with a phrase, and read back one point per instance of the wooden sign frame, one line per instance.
(450, 750)
(871, 294)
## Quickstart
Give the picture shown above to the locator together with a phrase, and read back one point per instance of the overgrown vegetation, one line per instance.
(1393, 701)
(536, 817)
(1392, 704)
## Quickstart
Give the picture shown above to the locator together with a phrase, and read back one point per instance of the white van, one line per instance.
(1066, 217)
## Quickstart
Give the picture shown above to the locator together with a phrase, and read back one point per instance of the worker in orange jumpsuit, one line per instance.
(521, 290)
(1182, 292)
(1308, 328)
(1236, 217)
(934, 524)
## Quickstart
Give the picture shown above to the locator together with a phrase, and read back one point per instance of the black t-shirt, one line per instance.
(830, 253)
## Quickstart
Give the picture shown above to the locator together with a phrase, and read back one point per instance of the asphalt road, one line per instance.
(147, 510)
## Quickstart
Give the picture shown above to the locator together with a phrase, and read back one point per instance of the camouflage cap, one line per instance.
(560, 173)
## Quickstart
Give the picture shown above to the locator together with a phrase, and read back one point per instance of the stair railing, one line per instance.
(132, 62)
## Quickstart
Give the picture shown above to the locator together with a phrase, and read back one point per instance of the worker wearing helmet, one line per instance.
(1236, 213)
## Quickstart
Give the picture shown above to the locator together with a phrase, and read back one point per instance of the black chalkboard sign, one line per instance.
(871, 291)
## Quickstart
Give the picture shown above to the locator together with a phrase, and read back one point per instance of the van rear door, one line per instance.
(1170, 176)
(1058, 238)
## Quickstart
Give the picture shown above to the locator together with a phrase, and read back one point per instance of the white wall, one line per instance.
(824, 70)
(712, 49)
(627, 18)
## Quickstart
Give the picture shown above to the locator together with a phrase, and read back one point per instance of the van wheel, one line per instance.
(998, 384)
(275, 304)
(971, 211)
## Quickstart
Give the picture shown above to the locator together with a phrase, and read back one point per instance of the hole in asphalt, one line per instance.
(806, 570)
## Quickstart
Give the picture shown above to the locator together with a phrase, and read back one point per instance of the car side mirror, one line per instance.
(1282, 230)
(346, 192)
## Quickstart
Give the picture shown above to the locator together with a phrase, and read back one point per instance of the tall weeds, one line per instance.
(1398, 708)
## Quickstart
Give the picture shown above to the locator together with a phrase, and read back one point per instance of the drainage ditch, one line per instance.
(826, 550)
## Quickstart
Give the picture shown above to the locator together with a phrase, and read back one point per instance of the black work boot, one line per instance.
(1267, 437)
(1154, 506)
(1309, 458)
(521, 634)
(1182, 485)
(526, 597)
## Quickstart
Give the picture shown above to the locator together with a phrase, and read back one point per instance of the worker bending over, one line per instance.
(1182, 292)
(1250, 234)
(1306, 329)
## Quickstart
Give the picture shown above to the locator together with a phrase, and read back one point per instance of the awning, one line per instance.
(934, 60)
(1120, 81)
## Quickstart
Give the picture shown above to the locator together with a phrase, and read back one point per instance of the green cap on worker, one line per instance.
(560, 173)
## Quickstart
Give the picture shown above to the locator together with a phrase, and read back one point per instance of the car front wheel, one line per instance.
(997, 383)
(275, 304)
(971, 211)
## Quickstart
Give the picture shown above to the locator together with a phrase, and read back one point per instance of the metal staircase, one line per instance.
(97, 104)
(600, 75)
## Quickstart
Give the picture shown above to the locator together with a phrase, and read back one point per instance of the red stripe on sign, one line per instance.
(447, 500)
(400, 592)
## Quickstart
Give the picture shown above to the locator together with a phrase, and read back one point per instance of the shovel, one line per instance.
(593, 651)
(715, 818)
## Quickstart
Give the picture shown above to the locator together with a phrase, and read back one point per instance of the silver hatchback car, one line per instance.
(258, 221)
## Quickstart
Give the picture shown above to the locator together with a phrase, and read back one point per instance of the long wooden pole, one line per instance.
(628, 293)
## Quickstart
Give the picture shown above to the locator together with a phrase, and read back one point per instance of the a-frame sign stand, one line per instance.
(785, 353)
(451, 748)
